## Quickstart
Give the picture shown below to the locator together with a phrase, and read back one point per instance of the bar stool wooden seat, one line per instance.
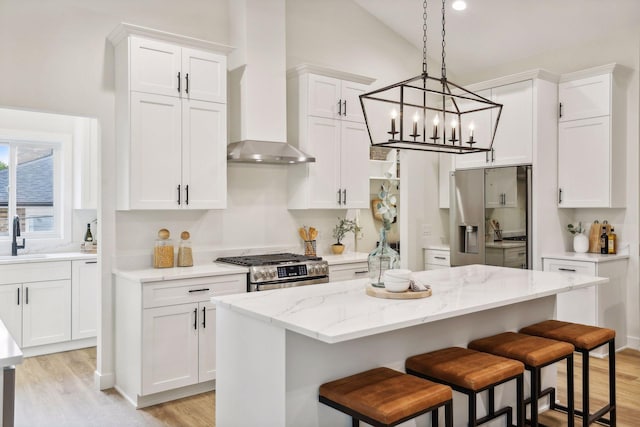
(584, 338)
(472, 372)
(536, 353)
(385, 397)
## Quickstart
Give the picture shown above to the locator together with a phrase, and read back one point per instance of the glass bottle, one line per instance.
(163, 250)
(185, 254)
(604, 241)
(381, 259)
(88, 237)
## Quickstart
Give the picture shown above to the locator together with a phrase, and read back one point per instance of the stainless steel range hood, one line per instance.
(253, 151)
(258, 85)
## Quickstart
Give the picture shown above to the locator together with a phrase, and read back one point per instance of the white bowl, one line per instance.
(397, 274)
(396, 286)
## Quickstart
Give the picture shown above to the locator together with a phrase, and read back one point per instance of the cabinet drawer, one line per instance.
(351, 271)
(563, 266)
(35, 272)
(516, 255)
(436, 257)
(157, 294)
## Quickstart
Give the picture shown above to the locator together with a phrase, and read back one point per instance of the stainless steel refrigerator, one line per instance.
(490, 216)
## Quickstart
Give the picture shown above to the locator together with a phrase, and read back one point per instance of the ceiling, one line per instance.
(493, 32)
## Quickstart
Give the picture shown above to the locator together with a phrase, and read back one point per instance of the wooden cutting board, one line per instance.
(383, 293)
(594, 237)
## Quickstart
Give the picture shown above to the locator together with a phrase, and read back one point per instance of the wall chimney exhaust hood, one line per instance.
(258, 86)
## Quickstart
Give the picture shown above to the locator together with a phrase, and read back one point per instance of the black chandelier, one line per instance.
(430, 114)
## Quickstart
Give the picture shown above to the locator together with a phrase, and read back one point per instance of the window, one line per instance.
(29, 188)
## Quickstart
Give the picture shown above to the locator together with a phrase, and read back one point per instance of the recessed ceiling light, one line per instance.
(459, 5)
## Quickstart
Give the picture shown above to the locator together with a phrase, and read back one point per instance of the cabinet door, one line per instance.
(207, 342)
(84, 299)
(205, 75)
(155, 163)
(324, 96)
(204, 155)
(351, 271)
(514, 138)
(46, 313)
(169, 347)
(354, 165)
(583, 163)
(501, 187)
(482, 132)
(11, 300)
(324, 174)
(155, 66)
(350, 97)
(585, 98)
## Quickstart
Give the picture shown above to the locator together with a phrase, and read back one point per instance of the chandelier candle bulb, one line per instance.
(394, 114)
(436, 120)
(454, 125)
(416, 118)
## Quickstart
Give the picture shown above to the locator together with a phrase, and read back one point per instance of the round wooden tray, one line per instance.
(383, 293)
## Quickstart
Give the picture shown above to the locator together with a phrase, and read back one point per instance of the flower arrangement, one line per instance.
(573, 229)
(387, 205)
(343, 227)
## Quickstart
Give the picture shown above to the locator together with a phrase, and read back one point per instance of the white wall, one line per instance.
(624, 49)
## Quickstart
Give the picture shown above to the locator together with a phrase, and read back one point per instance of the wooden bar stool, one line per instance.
(472, 372)
(584, 338)
(383, 397)
(535, 353)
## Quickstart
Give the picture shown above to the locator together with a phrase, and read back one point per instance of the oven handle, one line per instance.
(271, 285)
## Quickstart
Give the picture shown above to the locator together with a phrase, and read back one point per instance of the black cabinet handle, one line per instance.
(339, 107)
(195, 318)
(440, 257)
(339, 197)
(559, 195)
(486, 157)
(26, 295)
(493, 154)
(560, 110)
(18, 296)
(361, 272)
(187, 190)
(345, 107)
(567, 269)
(91, 262)
(178, 81)
(198, 290)
(344, 196)
(178, 194)
(204, 317)
(186, 89)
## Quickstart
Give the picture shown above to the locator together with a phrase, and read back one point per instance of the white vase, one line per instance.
(580, 243)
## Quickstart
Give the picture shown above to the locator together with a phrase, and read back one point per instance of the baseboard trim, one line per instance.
(169, 395)
(59, 347)
(103, 381)
(633, 343)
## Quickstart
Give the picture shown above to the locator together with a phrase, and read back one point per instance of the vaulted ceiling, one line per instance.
(493, 32)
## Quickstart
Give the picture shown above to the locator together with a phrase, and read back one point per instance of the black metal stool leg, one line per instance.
(612, 382)
(570, 392)
(434, 418)
(585, 388)
(355, 422)
(520, 401)
(448, 414)
(534, 396)
(472, 409)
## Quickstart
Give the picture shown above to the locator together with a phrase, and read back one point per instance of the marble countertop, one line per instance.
(505, 244)
(347, 258)
(58, 256)
(590, 257)
(176, 273)
(10, 353)
(341, 311)
(442, 247)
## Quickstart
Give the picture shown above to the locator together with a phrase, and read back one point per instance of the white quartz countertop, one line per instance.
(175, 273)
(590, 257)
(348, 258)
(505, 244)
(341, 311)
(59, 256)
(10, 353)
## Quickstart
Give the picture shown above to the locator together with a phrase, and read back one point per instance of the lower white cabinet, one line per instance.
(436, 258)
(165, 336)
(46, 312)
(514, 257)
(348, 271)
(84, 299)
(11, 310)
(600, 305)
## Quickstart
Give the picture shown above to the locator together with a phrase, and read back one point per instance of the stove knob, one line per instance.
(260, 275)
(312, 270)
(272, 274)
(325, 269)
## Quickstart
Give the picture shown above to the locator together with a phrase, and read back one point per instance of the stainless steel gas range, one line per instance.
(285, 270)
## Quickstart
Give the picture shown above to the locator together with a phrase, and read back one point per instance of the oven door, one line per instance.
(265, 286)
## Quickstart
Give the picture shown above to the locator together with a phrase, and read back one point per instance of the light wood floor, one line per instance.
(57, 391)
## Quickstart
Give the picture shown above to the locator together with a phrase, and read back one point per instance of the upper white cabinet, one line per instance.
(171, 120)
(501, 189)
(513, 143)
(591, 150)
(325, 118)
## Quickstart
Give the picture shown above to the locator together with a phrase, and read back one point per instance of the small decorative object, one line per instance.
(384, 258)
(343, 227)
(309, 239)
(580, 241)
(185, 254)
(163, 250)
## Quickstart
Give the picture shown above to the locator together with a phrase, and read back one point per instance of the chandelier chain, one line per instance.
(444, 67)
(424, 37)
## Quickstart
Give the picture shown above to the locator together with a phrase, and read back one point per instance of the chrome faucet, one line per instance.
(16, 232)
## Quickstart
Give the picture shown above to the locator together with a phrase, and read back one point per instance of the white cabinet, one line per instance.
(84, 299)
(11, 310)
(165, 335)
(325, 117)
(436, 258)
(85, 163)
(601, 305)
(591, 151)
(348, 271)
(513, 143)
(171, 123)
(514, 257)
(501, 189)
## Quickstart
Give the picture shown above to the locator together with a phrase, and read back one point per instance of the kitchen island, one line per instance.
(275, 348)
(10, 355)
